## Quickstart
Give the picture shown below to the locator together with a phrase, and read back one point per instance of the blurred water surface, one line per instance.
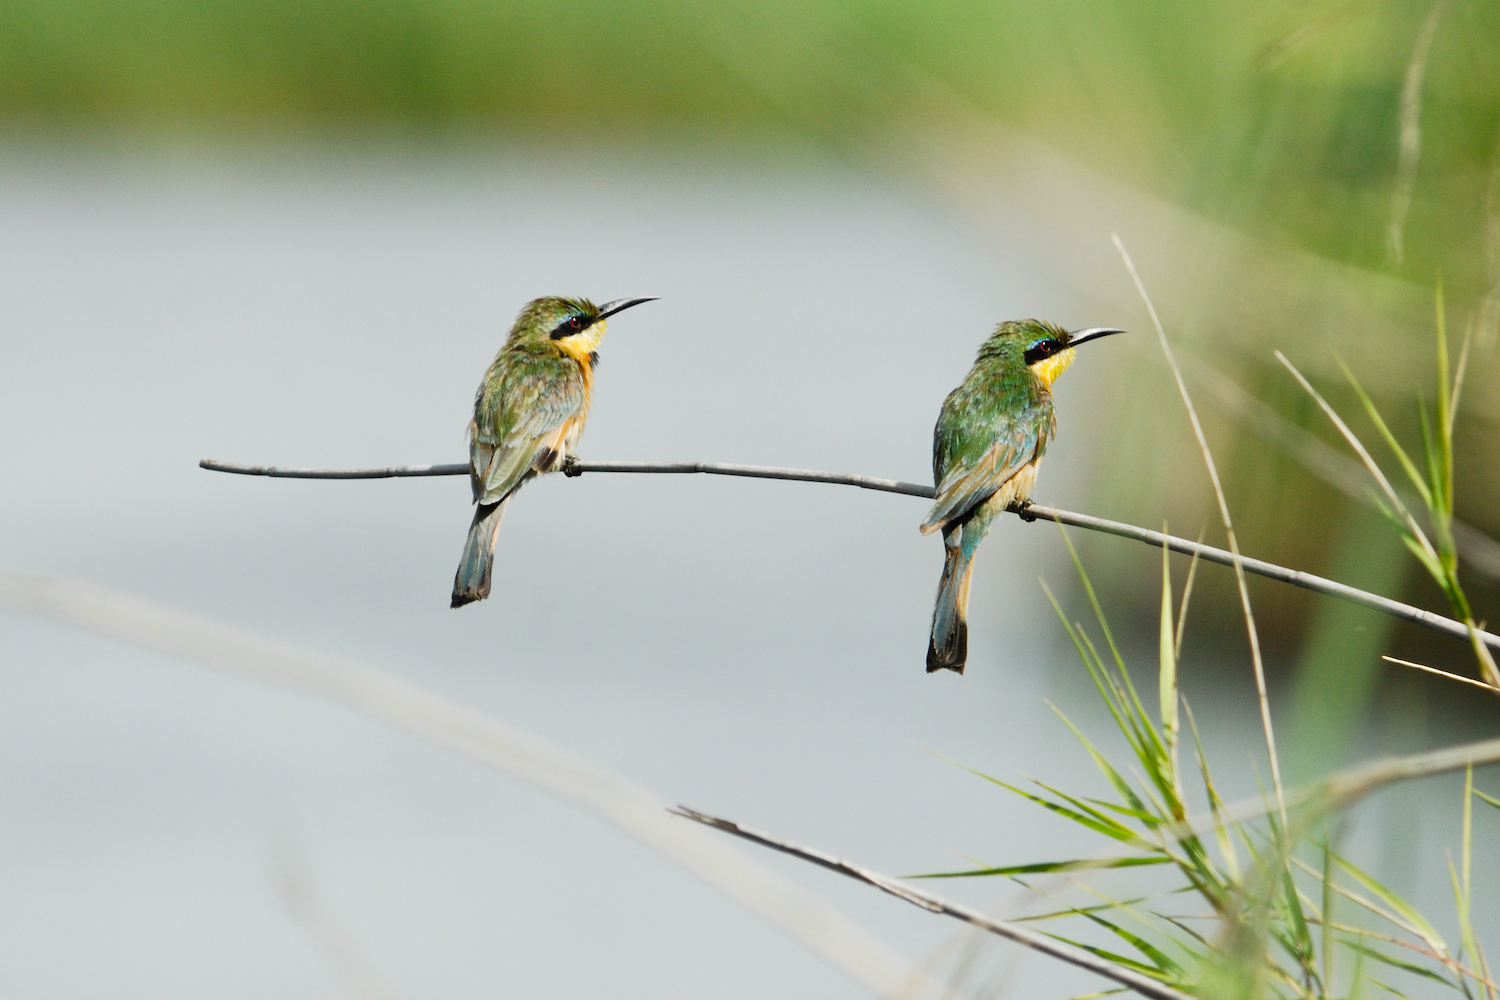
(746, 647)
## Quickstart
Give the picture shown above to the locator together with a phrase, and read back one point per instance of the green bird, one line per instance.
(988, 442)
(528, 415)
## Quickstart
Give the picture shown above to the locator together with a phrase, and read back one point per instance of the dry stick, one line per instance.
(1030, 512)
(1234, 545)
(1144, 985)
(385, 698)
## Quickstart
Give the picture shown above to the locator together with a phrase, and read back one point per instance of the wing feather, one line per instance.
(521, 410)
(982, 439)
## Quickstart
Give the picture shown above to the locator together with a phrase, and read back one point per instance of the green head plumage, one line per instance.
(1045, 348)
(553, 317)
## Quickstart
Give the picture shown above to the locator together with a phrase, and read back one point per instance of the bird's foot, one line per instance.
(1023, 510)
(570, 467)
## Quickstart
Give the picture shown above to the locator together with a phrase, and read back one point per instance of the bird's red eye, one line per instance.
(573, 322)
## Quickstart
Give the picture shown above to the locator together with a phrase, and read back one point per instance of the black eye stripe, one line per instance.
(1043, 350)
(575, 323)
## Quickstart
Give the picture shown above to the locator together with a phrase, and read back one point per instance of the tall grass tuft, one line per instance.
(1434, 547)
(1284, 912)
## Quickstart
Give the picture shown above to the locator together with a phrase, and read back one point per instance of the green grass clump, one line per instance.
(1280, 911)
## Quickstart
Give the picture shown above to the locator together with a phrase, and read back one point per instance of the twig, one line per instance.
(1234, 545)
(1031, 512)
(630, 809)
(575, 469)
(282, 472)
(1144, 985)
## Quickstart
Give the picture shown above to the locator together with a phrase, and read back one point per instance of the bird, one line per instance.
(989, 440)
(528, 414)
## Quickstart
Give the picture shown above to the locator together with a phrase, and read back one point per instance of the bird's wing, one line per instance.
(981, 440)
(522, 408)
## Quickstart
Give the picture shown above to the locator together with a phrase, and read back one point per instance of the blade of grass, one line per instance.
(1411, 920)
(1167, 678)
(1215, 803)
(1354, 442)
(1463, 885)
(1187, 593)
(1105, 767)
(1325, 915)
(1422, 485)
(1458, 378)
(1396, 963)
(1134, 709)
(1050, 867)
(1234, 545)
(1300, 941)
(1441, 673)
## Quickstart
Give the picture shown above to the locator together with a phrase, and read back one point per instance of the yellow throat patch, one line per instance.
(581, 345)
(1048, 369)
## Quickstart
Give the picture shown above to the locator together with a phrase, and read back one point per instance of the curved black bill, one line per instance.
(620, 305)
(1092, 333)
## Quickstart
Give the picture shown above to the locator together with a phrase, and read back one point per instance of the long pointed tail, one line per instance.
(472, 581)
(948, 648)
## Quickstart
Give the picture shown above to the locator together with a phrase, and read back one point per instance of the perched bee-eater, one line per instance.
(986, 447)
(528, 414)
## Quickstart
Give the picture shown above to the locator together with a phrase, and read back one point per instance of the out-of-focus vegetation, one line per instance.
(1305, 172)
(1282, 118)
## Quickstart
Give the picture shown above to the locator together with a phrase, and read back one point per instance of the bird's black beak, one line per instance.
(1092, 333)
(619, 305)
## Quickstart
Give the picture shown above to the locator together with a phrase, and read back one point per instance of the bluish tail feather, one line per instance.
(948, 646)
(472, 581)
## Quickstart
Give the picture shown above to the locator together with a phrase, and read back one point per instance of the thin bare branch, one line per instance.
(1234, 545)
(576, 468)
(1030, 512)
(1022, 935)
(633, 811)
(283, 472)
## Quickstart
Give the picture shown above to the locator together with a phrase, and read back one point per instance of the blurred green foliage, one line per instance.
(1281, 118)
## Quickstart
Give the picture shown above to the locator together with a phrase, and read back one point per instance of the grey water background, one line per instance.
(749, 648)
